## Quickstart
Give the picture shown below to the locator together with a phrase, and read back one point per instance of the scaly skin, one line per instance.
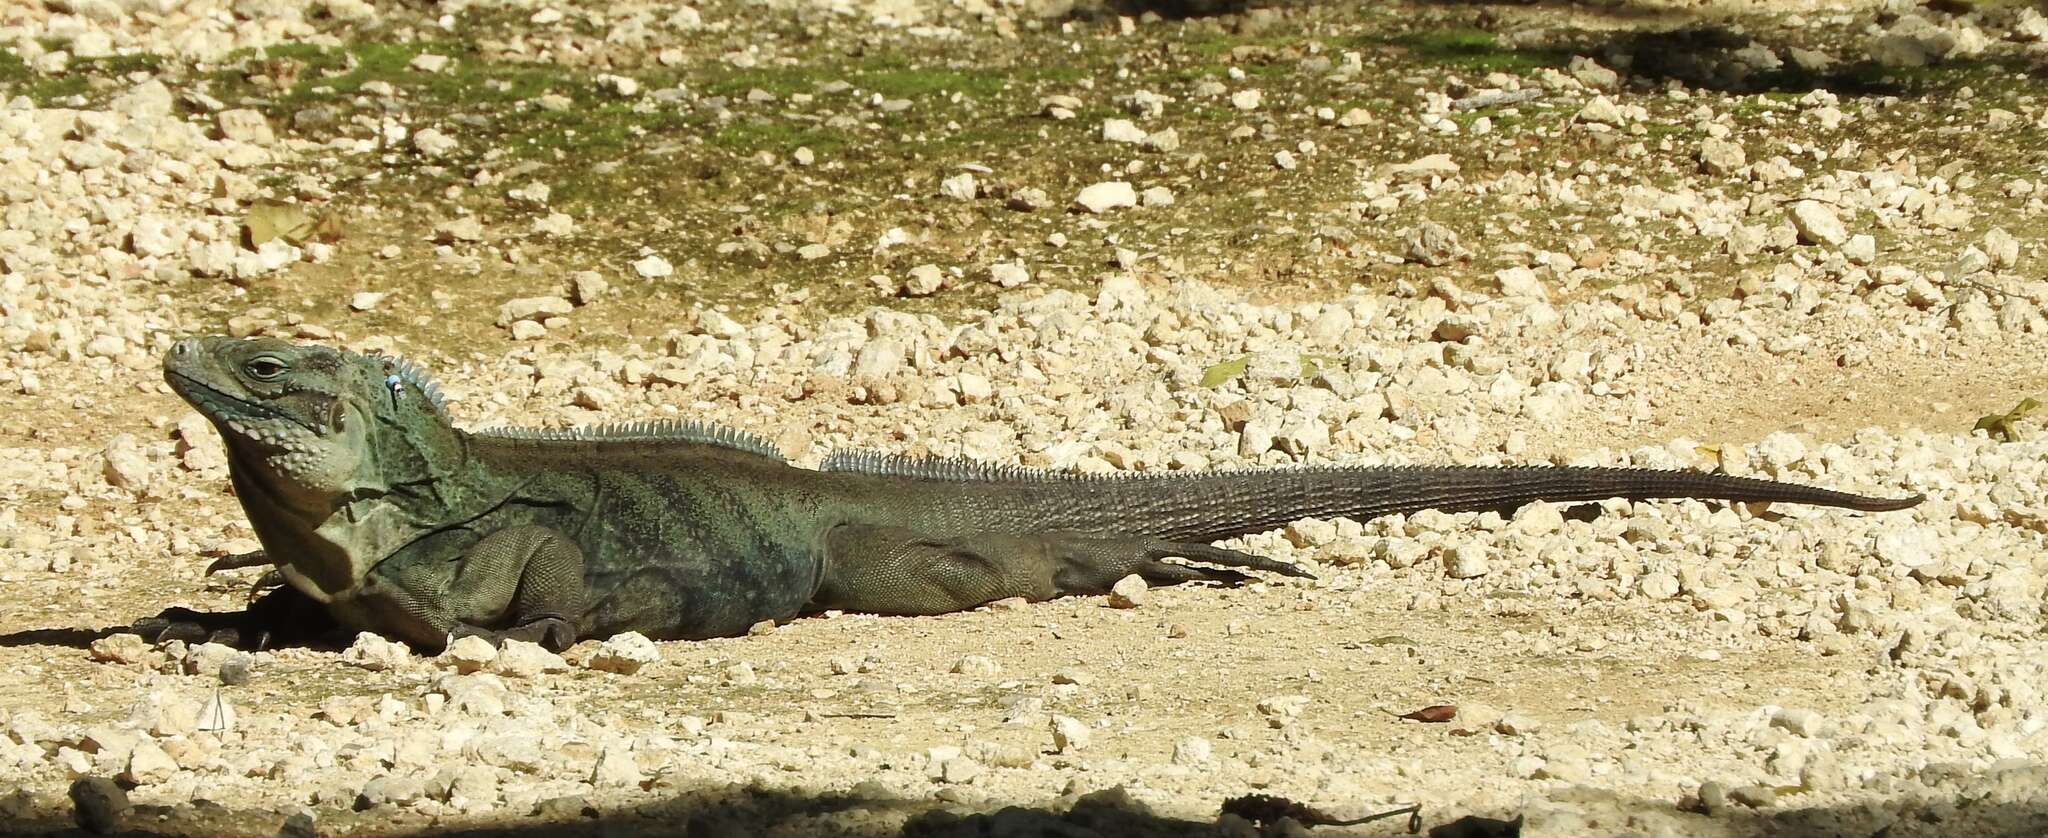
(382, 515)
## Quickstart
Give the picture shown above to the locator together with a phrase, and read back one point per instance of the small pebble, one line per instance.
(1069, 734)
(1129, 592)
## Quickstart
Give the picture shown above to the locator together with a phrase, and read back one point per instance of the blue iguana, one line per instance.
(382, 516)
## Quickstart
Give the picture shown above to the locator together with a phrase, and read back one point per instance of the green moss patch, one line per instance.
(1471, 50)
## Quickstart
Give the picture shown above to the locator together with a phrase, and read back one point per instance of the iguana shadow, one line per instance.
(279, 620)
(83, 638)
(77, 638)
(755, 809)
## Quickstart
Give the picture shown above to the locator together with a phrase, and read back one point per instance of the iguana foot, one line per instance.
(553, 633)
(187, 625)
(1091, 564)
(891, 570)
(232, 628)
(281, 616)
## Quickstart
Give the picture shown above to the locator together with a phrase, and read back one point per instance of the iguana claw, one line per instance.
(253, 558)
(1208, 554)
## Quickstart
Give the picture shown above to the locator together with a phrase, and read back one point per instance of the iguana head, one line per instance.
(314, 427)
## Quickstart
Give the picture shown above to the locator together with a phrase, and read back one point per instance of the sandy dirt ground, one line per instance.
(1801, 241)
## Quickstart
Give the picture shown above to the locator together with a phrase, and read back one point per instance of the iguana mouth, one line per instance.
(216, 396)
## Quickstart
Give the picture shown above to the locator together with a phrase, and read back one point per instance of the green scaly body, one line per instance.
(378, 510)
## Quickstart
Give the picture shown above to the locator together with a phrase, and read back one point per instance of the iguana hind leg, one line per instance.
(892, 570)
(519, 583)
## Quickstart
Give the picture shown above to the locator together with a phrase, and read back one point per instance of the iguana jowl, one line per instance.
(374, 506)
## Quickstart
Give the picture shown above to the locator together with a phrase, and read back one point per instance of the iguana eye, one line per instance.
(264, 368)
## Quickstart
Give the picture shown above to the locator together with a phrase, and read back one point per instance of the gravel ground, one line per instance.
(1802, 241)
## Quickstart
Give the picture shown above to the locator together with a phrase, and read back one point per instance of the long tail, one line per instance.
(1206, 507)
(1272, 499)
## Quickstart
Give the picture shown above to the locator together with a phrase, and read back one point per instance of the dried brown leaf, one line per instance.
(1433, 714)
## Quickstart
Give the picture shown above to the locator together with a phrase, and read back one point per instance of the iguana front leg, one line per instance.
(891, 570)
(519, 583)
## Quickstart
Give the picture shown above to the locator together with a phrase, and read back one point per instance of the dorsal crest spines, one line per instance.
(951, 468)
(649, 430)
(882, 464)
